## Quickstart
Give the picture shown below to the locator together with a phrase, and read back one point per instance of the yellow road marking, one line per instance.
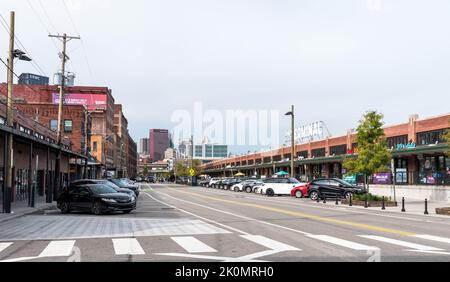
(305, 215)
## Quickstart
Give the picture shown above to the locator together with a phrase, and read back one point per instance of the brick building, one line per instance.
(131, 157)
(417, 148)
(158, 143)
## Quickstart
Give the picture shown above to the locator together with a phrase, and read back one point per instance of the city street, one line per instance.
(182, 223)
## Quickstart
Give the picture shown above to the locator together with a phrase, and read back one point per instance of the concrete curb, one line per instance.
(18, 214)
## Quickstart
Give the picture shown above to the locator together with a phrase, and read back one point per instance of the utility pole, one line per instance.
(9, 117)
(64, 59)
(292, 142)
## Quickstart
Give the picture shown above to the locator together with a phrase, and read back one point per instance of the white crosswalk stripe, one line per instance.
(3, 246)
(269, 243)
(58, 249)
(343, 243)
(127, 246)
(401, 243)
(193, 245)
(433, 238)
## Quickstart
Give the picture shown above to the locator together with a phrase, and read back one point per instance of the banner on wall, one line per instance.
(382, 178)
(91, 101)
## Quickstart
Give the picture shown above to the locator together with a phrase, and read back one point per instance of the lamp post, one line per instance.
(291, 113)
(8, 156)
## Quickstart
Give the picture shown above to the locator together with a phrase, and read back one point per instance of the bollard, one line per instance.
(324, 199)
(426, 206)
(350, 200)
(337, 201)
(318, 199)
(403, 204)
(383, 206)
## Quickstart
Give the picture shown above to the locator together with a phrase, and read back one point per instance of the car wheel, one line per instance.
(248, 189)
(97, 208)
(65, 207)
(314, 195)
(127, 211)
(236, 189)
(347, 195)
(298, 194)
(269, 192)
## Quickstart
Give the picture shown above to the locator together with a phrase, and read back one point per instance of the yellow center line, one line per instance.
(305, 215)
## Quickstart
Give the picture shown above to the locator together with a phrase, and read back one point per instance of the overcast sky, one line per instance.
(332, 59)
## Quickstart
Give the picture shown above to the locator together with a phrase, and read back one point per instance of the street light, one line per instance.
(291, 113)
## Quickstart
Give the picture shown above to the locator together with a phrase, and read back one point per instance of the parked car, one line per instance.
(102, 181)
(251, 184)
(300, 191)
(151, 179)
(212, 182)
(239, 187)
(228, 183)
(278, 186)
(96, 198)
(139, 179)
(204, 182)
(125, 184)
(332, 187)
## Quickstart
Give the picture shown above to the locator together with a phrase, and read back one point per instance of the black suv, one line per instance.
(332, 187)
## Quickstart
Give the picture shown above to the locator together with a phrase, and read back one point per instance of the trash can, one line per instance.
(194, 180)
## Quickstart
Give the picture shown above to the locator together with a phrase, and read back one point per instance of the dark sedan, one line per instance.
(125, 184)
(332, 187)
(102, 181)
(96, 198)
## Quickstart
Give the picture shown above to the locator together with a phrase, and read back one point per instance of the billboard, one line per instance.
(91, 101)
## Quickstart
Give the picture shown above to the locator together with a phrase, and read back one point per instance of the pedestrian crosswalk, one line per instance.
(210, 247)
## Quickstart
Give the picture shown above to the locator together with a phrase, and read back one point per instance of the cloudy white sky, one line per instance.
(332, 59)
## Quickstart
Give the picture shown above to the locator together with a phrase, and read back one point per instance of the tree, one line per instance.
(145, 170)
(181, 170)
(372, 154)
(447, 140)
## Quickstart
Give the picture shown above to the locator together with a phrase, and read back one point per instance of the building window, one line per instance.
(430, 137)
(318, 152)
(54, 124)
(68, 125)
(338, 150)
(392, 142)
(94, 146)
(302, 155)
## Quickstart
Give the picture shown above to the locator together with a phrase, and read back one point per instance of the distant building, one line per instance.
(207, 151)
(33, 79)
(158, 143)
(144, 146)
(170, 153)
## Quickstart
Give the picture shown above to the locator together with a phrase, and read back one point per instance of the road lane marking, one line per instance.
(195, 215)
(4, 245)
(225, 259)
(269, 243)
(343, 243)
(193, 245)
(430, 252)
(225, 212)
(58, 249)
(401, 243)
(309, 216)
(433, 238)
(127, 246)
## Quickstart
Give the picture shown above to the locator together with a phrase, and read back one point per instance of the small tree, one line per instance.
(145, 172)
(372, 153)
(447, 140)
(181, 170)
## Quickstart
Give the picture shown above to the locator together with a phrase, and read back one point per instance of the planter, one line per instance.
(443, 211)
(371, 204)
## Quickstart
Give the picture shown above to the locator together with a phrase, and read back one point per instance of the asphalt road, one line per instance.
(181, 223)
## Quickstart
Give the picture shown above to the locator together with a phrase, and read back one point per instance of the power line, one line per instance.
(81, 41)
(41, 21)
(33, 62)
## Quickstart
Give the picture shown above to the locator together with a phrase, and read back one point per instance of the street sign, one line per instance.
(191, 172)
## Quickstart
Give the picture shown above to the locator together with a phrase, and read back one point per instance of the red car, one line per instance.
(300, 191)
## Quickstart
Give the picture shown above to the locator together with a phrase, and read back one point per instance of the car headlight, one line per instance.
(133, 198)
(109, 200)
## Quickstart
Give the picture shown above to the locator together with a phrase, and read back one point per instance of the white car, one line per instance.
(278, 186)
(212, 181)
(246, 184)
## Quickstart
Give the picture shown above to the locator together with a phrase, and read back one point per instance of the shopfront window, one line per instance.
(434, 170)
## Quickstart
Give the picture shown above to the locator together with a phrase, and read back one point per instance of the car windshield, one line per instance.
(110, 184)
(102, 189)
(293, 180)
(344, 182)
(119, 182)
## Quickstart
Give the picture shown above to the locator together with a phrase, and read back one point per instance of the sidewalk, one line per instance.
(21, 211)
(413, 207)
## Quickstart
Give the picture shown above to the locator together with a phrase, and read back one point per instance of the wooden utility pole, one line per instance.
(64, 38)
(292, 142)
(9, 119)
